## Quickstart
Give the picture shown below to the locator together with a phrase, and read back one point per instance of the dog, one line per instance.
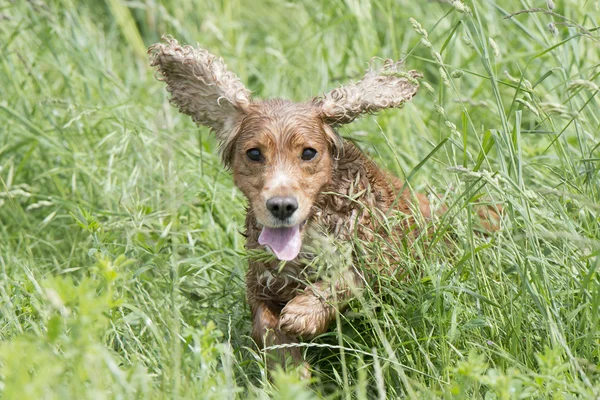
(299, 177)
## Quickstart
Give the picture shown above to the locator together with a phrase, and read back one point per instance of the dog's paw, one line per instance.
(304, 371)
(305, 316)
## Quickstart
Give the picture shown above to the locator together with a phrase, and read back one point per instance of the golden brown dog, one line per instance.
(301, 180)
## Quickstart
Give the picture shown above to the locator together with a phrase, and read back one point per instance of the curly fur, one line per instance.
(201, 86)
(340, 193)
(388, 87)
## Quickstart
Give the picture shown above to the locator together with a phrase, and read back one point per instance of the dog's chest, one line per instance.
(280, 282)
(283, 281)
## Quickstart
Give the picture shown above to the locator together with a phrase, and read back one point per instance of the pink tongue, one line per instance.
(284, 242)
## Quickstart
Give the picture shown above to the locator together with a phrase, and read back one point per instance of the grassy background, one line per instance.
(121, 260)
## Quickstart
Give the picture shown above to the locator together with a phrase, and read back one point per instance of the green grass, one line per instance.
(120, 254)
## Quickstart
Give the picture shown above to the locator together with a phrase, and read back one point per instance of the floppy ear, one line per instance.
(201, 86)
(386, 87)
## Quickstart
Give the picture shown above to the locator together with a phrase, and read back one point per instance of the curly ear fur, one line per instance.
(388, 87)
(201, 86)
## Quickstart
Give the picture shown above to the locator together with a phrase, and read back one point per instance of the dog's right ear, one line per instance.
(201, 86)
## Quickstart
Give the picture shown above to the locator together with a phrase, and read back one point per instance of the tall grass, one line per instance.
(121, 259)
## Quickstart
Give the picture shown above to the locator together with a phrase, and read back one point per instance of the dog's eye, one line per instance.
(254, 154)
(308, 154)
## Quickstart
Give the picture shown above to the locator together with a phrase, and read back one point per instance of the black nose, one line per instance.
(282, 207)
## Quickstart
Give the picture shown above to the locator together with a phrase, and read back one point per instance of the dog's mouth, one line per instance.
(284, 242)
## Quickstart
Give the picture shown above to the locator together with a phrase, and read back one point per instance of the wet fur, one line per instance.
(341, 192)
(305, 309)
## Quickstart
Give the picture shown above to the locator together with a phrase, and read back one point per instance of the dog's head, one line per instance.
(282, 153)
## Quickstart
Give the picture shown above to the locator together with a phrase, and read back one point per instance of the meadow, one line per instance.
(121, 259)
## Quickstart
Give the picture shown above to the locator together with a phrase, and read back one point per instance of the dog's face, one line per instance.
(281, 153)
(281, 159)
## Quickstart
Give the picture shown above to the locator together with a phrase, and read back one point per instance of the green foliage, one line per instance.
(122, 266)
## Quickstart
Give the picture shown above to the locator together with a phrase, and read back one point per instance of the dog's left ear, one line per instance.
(201, 86)
(386, 87)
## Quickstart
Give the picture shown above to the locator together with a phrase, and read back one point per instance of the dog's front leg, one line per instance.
(310, 313)
(266, 333)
